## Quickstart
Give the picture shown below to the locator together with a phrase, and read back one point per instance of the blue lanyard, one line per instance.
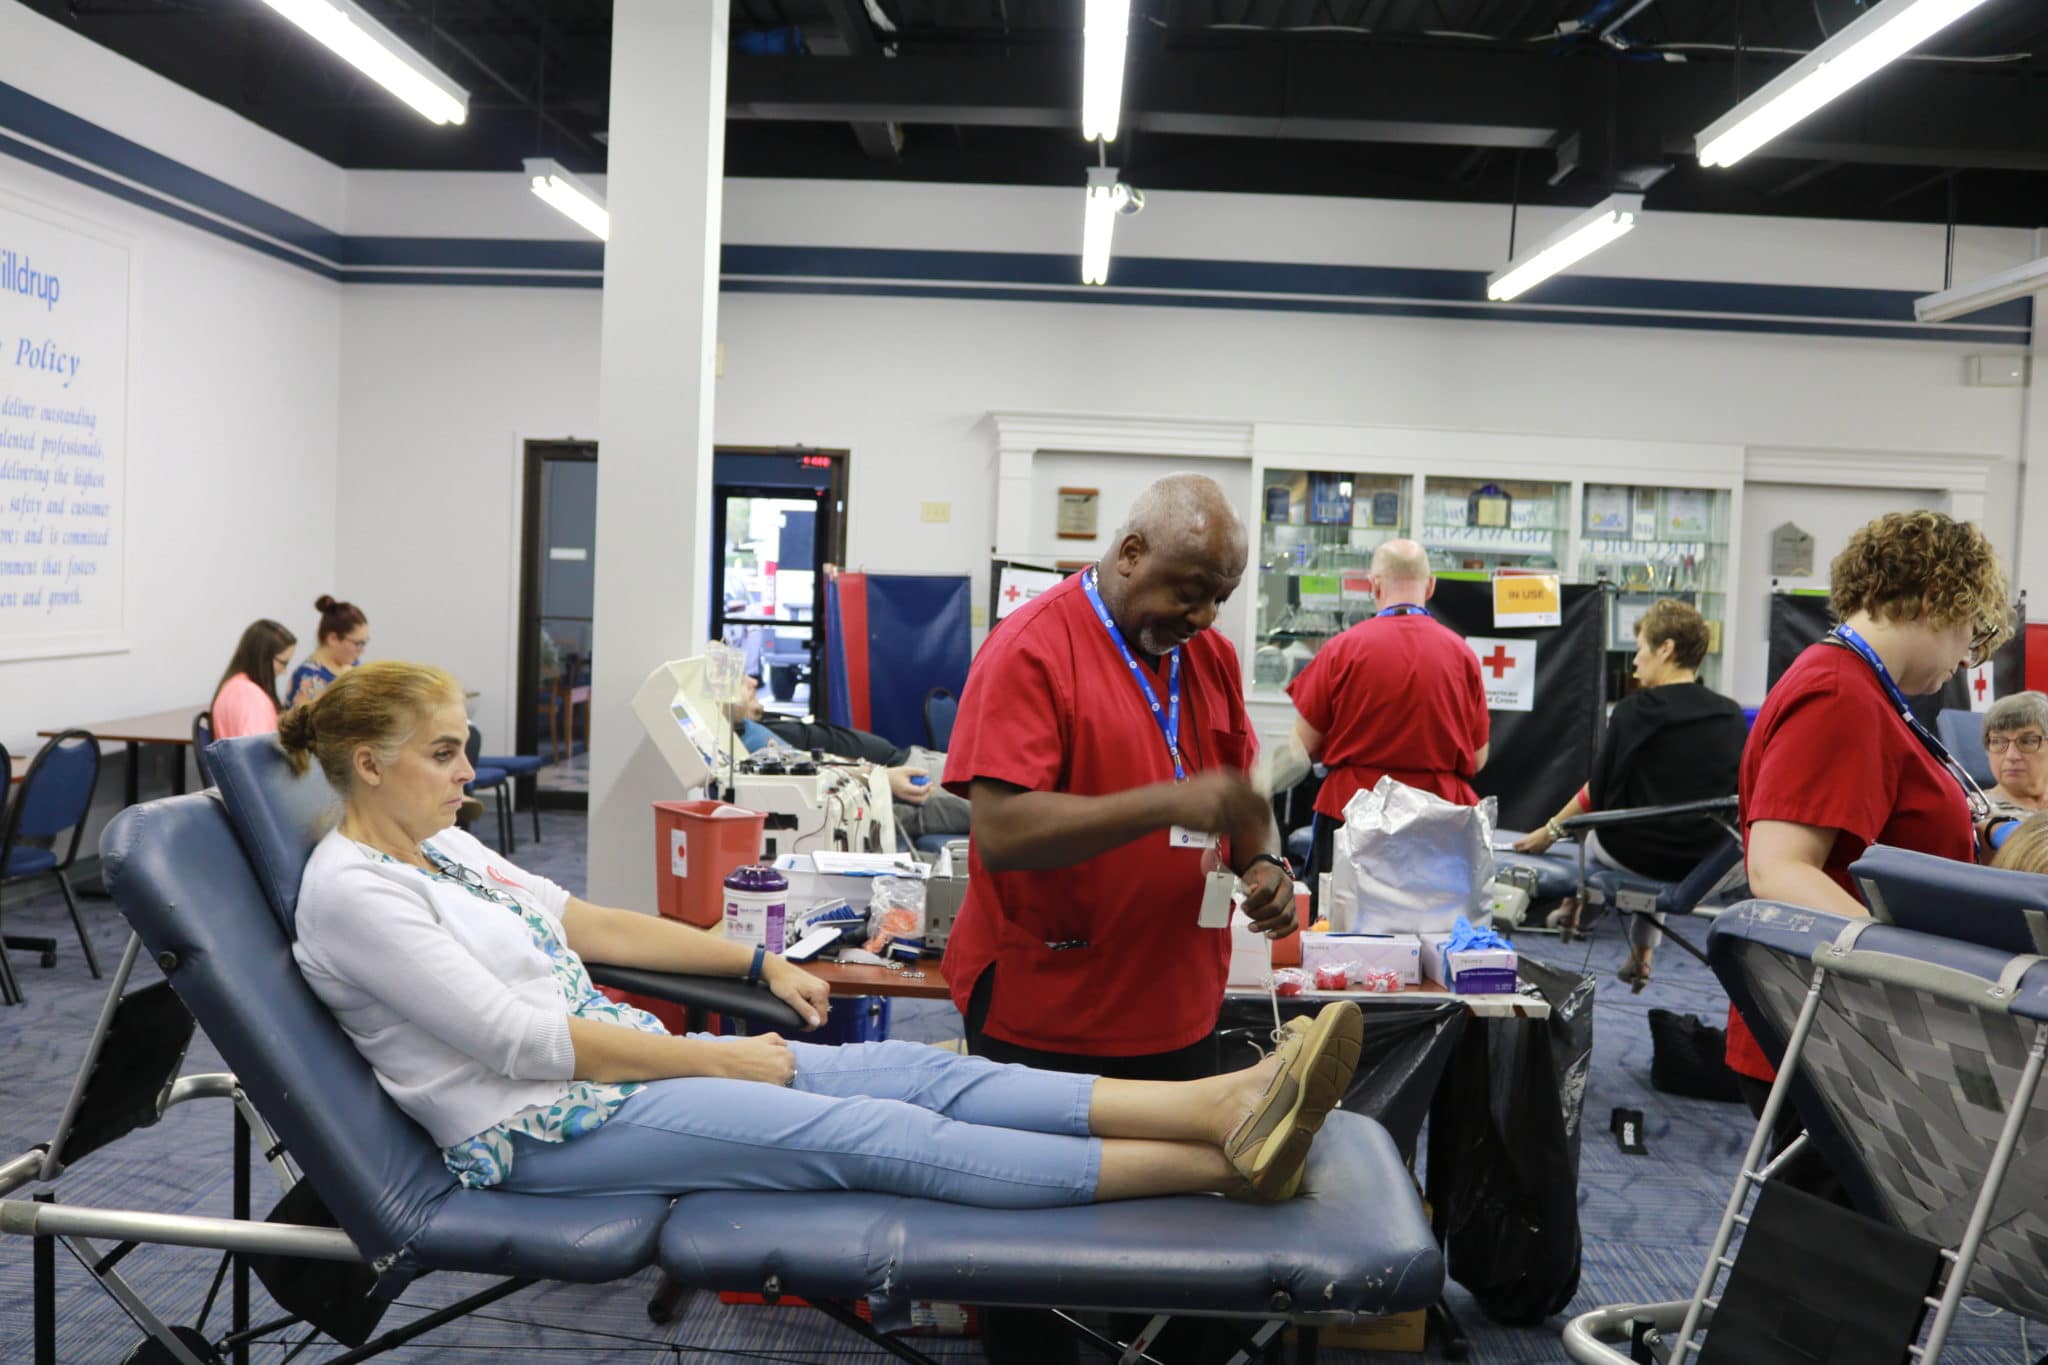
(1927, 737)
(1402, 609)
(1168, 721)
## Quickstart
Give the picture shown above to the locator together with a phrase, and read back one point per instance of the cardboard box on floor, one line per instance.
(1406, 1332)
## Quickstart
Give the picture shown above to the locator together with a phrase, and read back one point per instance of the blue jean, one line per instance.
(897, 1117)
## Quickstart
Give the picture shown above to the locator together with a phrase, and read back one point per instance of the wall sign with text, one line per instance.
(63, 438)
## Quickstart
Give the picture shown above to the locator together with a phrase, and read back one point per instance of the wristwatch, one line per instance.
(1273, 858)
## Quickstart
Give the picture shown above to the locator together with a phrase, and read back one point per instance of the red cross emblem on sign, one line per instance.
(1500, 661)
(1012, 592)
(1981, 683)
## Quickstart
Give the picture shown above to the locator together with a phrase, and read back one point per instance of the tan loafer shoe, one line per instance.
(1270, 1147)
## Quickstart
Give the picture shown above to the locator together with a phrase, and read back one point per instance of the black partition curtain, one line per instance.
(1800, 619)
(1541, 756)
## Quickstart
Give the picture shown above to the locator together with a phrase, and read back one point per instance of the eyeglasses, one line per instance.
(2028, 743)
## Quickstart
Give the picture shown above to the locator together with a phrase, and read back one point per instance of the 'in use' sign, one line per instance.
(1523, 600)
(1507, 668)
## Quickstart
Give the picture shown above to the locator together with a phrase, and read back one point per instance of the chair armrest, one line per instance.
(724, 994)
(1603, 819)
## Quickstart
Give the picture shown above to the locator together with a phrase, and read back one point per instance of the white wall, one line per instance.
(906, 386)
(440, 389)
(234, 364)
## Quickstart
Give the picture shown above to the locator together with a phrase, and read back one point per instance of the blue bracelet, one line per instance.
(754, 967)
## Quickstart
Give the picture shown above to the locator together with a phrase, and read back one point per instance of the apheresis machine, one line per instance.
(812, 801)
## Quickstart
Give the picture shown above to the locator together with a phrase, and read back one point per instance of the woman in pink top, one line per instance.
(246, 701)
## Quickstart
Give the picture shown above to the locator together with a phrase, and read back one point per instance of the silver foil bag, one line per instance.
(1409, 862)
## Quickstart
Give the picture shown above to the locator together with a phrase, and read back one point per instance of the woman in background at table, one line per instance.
(245, 703)
(339, 644)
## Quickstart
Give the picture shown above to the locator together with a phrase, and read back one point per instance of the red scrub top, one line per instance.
(1828, 749)
(1396, 696)
(1050, 706)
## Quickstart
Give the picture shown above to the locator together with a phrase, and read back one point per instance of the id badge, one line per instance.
(1179, 836)
(1217, 889)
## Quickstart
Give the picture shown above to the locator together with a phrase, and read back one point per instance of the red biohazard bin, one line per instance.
(695, 844)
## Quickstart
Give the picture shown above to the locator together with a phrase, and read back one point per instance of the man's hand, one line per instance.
(808, 995)
(1268, 899)
(904, 789)
(763, 1057)
(1219, 801)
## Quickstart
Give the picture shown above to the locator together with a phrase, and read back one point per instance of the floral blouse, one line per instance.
(308, 681)
(486, 1159)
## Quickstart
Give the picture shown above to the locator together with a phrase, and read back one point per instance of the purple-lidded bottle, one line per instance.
(756, 906)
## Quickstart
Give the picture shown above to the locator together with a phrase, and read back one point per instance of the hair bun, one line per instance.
(325, 604)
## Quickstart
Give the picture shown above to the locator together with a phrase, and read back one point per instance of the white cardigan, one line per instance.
(442, 991)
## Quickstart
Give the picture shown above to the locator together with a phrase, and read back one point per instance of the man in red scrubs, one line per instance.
(1398, 695)
(1102, 739)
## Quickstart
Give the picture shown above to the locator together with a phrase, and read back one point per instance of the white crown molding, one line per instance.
(1958, 473)
(1097, 433)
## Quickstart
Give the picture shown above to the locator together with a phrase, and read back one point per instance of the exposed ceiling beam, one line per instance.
(881, 139)
(1947, 117)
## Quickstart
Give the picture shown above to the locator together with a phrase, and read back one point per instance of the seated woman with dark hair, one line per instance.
(1672, 741)
(245, 702)
(460, 979)
(338, 645)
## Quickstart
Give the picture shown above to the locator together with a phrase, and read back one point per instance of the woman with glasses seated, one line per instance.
(460, 979)
(2013, 730)
(1836, 760)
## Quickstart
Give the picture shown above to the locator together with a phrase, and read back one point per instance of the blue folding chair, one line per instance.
(55, 796)
(202, 735)
(517, 766)
(497, 781)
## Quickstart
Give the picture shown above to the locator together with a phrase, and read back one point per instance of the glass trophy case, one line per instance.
(1652, 542)
(1486, 524)
(1317, 532)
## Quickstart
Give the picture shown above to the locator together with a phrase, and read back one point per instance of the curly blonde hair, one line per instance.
(378, 704)
(1905, 564)
(2026, 848)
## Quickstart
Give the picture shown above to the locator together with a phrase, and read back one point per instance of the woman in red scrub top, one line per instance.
(1835, 761)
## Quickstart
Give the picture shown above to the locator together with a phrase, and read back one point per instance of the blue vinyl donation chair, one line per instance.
(1914, 1063)
(209, 883)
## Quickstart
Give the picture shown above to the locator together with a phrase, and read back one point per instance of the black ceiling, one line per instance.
(1479, 100)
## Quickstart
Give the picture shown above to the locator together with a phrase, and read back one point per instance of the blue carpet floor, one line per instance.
(1646, 1219)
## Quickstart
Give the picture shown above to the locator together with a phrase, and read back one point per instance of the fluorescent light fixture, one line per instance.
(564, 192)
(380, 54)
(1105, 29)
(1880, 36)
(1612, 217)
(2004, 287)
(1106, 199)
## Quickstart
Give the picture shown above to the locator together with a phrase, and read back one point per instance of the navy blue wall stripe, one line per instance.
(1361, 307)
(198, 200)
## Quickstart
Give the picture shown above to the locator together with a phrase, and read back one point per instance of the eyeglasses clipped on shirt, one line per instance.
(2028, 743)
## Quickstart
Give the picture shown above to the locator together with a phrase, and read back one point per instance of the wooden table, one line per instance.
(851, 980)
(173, 728)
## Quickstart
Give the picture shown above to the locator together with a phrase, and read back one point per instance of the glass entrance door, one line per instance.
(770, 600)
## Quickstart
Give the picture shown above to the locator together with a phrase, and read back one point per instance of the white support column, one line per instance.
(663, 188)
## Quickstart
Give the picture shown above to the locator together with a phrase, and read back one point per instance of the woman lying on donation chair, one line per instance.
(460, 978)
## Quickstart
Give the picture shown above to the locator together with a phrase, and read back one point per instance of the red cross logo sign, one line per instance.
(1012, 592)
(1507, 671)
(1983, 688)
